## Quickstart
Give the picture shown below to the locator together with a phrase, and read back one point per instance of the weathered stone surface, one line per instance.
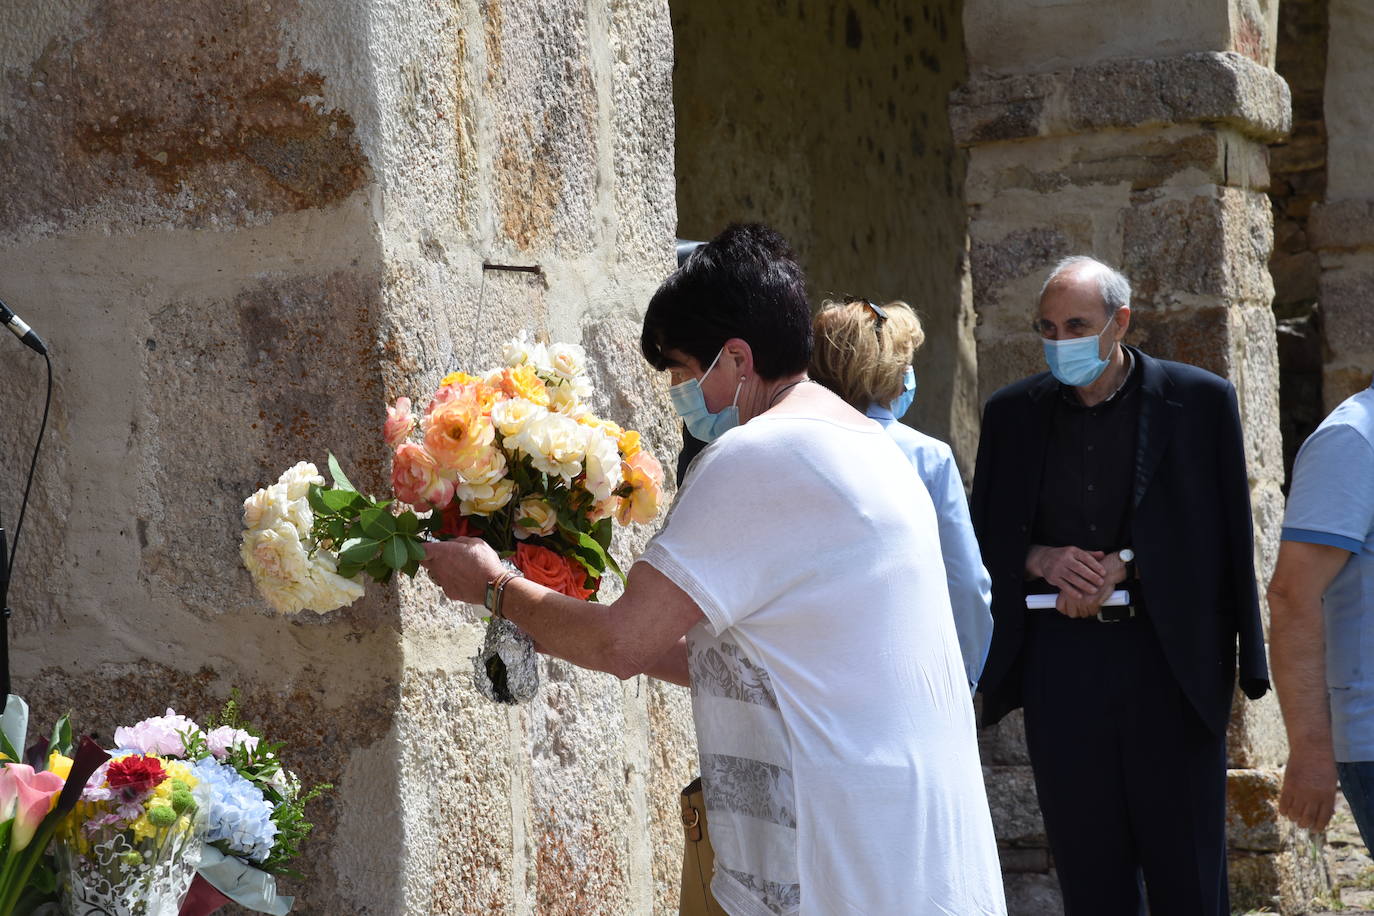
(1004, 744)
(1033, 895)
(1349, 86)
(1342, 225)
(1015, 806)
(1285, 881)
(1252, 810)
(1210, 246)
(1018, 860)
(1030, 37)
(1201, 87)
(104, 132)
(1347, 289)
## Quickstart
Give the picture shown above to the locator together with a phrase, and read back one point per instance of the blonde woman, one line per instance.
(863, 352)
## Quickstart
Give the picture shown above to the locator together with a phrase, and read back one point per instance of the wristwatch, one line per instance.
(495, 588)
(1127, 556)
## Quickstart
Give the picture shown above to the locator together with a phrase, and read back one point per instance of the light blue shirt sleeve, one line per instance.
(970, 586)
(1331, 500)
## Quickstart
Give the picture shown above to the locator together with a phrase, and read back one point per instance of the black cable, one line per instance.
(24, 506)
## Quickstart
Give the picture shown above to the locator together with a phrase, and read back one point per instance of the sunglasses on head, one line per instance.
(879, 313)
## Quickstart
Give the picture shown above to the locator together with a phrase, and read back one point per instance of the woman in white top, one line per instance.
(796, 586)
(864, 353)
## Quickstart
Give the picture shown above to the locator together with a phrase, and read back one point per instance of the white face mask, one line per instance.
(690, 404)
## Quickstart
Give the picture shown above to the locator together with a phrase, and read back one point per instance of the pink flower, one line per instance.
(220, 740)
(416, 478)
(399, 423)
(642, 490)
(158, 735)
(27, 797)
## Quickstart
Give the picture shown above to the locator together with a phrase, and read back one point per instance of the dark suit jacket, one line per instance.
(1190, 528)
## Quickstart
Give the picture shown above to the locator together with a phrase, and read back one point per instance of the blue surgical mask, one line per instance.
(1075, 361)
(690, 404)
(900, 406)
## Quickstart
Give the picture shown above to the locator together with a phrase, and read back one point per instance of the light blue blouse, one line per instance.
(970, 586)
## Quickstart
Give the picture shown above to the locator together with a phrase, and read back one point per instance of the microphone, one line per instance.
(21, 330)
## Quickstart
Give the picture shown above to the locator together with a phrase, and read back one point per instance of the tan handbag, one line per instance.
(698, 859)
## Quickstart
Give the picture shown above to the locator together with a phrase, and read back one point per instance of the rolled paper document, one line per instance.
(1118, 598)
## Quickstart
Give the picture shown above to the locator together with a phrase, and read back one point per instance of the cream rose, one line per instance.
(484, 499)
(297, 480)
(555, 445)
(563, 398)
(568, 361)
(540, 513)
(511, 415)
(484, 466)
(602, 464)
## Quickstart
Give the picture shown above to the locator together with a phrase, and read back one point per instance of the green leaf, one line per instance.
(8, 749)
(601, 533)
(394, 552)
(62, 737)
(411, 568)
(377, 523)
(340, 480)
(359, 551)
(339, 500)
(378, 570)
(316, 500)
(408, 522)
(416, 550)
(337, 528)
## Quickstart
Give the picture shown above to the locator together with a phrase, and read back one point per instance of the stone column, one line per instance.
(242, 228)
(1136, 132)
(1342, 228)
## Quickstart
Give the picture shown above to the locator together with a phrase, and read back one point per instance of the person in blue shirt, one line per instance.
(1321, 603)
(864, 353)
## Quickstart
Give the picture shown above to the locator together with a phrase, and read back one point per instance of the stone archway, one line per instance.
(828, 120)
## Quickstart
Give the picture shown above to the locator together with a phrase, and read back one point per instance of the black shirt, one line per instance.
(1085, 488)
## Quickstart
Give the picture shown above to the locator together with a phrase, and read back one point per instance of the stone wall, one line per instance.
(1136, 132)
(1342, 228)
(828, 121)
(242, 227)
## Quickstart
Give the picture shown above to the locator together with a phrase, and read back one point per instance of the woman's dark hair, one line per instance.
(744, 283)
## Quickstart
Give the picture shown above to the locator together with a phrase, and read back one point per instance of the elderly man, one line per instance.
(1322, 602)
(1111, 503)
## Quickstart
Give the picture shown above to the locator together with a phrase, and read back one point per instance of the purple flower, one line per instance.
(225, 737)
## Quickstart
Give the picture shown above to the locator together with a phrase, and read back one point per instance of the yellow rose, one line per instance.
(629, 444)
(484, 499)
(540, 513)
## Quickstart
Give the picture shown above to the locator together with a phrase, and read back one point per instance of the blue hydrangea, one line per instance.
(235, 811)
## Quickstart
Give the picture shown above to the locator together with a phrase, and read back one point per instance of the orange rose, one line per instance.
(562, 574)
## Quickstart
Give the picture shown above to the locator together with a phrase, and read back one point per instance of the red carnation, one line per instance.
(134, 775)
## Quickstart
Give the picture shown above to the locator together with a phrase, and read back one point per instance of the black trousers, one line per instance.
(1132, 784)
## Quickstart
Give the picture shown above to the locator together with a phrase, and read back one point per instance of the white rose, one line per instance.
(568, 361)
(510, 416)
(603, 464)
(520, 350)
(279, 564)
(329, 590)
(563, 398)
(484, 499)
(297, 479)
(539, 512)
(555, 445)
(261, 510)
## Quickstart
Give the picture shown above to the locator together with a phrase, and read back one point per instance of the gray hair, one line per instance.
(1112, 285)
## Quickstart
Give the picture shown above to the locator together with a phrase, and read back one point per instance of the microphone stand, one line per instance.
(5, 621)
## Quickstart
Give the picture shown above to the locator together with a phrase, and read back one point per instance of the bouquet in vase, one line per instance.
(514, 456)
(184, 819)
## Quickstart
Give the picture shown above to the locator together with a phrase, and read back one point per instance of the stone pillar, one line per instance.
(1136, 132)
(1342, 228)
(242, 228)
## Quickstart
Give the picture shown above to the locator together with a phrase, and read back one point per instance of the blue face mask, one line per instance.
(690, 404)
(1075, 361)
(900, 406)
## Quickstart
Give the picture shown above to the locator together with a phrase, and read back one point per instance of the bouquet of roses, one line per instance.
(202, 816)
(515, 457)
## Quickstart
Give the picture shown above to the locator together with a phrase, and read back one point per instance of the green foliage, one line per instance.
(367, 535)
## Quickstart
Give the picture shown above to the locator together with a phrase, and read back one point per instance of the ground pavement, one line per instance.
(1352, 870)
